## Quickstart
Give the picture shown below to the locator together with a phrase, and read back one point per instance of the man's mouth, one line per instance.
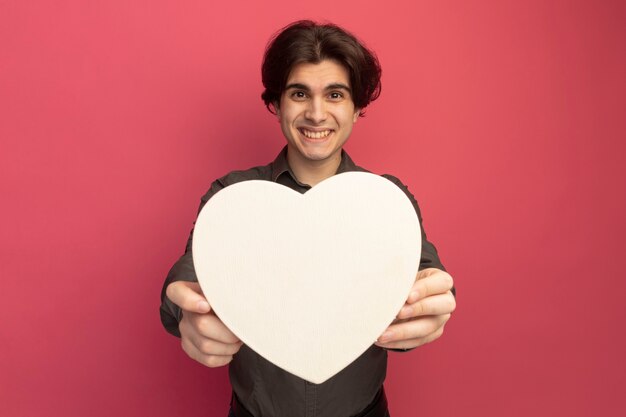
(315, 135)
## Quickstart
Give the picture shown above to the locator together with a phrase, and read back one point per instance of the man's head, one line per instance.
(308, 42)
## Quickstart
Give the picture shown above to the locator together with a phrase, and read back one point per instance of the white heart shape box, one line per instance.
(308, 281)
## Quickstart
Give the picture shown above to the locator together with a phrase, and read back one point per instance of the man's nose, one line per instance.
(316, 110)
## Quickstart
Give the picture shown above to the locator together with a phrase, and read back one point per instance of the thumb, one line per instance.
(188, 296)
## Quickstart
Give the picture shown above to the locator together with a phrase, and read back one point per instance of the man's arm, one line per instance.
(430, 302)
(186, 313)
(429, 255)
(183, 270)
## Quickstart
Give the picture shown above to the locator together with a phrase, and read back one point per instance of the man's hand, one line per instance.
(203, 335)
(425, 313)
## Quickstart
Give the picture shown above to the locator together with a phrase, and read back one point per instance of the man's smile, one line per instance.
(315, 134)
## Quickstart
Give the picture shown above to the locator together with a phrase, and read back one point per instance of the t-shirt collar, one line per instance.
(280, 165)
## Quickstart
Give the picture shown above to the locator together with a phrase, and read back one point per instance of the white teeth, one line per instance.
(315, 135)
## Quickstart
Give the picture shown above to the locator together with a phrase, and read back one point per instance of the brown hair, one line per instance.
(305, 41)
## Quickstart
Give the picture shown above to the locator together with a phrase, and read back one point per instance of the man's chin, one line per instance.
(316, 155)
(318, 152)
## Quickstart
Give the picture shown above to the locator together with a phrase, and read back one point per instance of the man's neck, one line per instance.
(312, 172)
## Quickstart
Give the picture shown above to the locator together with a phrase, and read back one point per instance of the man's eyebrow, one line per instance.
(297, 86)
(338, 86)
(333, 86)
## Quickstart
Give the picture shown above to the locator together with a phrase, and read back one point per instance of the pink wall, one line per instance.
(506, 119)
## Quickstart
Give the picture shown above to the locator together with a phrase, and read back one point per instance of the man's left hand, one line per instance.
(425, 313)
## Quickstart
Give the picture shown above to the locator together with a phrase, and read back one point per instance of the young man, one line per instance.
(318, 79)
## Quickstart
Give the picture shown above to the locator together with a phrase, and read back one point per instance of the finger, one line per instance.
(429, 306)
(208, 346)
(198, 327)
(412, 343)
(413, 329)
(211, 361)
(438, 282)
(210, 326)
(188, 296)
(204, 345)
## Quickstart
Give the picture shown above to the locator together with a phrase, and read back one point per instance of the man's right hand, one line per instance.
(203, 335)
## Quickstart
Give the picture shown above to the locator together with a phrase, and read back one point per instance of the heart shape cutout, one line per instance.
(308, 281)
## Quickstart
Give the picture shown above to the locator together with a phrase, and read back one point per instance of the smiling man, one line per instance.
(316, 114)
(317, 79)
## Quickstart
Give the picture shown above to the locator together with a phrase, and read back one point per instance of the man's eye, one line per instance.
(298, 94)
(335, 95)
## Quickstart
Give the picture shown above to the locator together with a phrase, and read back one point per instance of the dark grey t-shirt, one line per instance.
(263, 388)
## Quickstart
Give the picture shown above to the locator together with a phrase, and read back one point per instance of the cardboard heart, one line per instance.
(308, 281)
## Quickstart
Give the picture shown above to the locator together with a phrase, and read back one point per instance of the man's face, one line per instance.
(316, 111)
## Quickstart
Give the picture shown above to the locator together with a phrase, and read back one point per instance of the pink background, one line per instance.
(505, 118)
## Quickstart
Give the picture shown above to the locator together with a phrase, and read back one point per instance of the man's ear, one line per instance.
(357, 113)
